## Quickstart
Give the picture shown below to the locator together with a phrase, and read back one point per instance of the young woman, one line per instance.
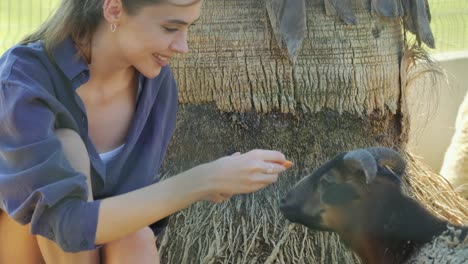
(87, 108)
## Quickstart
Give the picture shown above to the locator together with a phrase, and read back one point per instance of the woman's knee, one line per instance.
(53, 254)
(139, 247)
(140, 239)
(17, 244)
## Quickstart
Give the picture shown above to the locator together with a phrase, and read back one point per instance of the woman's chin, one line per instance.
(151, 73)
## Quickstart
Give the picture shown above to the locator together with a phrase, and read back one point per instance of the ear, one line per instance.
(390, 175)
(336, 194)
(112, 11)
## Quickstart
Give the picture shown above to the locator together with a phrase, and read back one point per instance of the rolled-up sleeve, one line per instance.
(37, 183)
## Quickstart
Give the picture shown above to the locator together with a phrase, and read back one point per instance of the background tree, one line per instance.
(308, 77)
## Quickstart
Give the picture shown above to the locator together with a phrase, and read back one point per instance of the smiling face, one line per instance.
(148, 39)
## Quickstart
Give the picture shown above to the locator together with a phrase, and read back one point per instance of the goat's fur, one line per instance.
(455, 165)
(451, 247)
(374, 218)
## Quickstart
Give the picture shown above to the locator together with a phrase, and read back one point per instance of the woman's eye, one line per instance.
(170, 30)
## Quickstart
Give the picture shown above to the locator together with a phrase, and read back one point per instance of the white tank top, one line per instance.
(107, 156)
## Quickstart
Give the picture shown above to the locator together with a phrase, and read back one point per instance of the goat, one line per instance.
(358, 195)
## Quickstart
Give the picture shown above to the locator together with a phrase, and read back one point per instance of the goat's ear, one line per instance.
(386, 157)
(390, 175)
(336, 194)
(363, 161)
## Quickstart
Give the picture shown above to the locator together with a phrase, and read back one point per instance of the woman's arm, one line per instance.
(249, 172)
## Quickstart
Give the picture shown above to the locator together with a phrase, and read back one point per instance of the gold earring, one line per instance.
(113, 27)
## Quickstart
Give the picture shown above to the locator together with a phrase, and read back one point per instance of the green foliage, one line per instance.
(19, 17)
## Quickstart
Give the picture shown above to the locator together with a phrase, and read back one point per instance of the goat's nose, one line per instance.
(288, 209)
(285, 203)
(285, 200)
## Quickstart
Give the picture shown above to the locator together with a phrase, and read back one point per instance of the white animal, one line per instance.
(455, 165)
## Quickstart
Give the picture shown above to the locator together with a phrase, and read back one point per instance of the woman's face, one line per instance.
(157, 32)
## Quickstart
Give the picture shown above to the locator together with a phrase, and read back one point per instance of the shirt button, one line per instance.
(50, 234)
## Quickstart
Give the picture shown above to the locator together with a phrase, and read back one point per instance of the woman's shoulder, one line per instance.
(21, 55)
(26, 65)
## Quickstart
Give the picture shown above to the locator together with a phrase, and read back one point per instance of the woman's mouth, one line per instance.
(161, 60)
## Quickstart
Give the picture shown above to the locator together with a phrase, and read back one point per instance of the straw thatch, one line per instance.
(250, 228)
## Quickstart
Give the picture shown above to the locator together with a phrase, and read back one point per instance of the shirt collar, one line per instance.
(68, 60)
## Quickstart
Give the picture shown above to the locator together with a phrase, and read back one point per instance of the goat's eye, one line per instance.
(338, 194)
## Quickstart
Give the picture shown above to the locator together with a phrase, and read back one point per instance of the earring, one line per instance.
(113, 27)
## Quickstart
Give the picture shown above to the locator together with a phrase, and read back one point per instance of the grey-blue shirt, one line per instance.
(37, 183)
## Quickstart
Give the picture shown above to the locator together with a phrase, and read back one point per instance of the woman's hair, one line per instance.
(78, 19)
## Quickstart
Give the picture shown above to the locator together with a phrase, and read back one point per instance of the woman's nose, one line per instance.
(180, 44)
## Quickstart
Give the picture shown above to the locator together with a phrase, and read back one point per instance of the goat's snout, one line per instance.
(284, 206)
(288, 207)
(294, 209)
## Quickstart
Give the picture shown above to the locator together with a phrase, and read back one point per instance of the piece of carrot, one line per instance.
(287, 164)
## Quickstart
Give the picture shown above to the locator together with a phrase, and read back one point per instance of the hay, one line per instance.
(250, 228)
(247, 229)
(435, 192)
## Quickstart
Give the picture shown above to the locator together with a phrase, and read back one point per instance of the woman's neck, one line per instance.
(108, 69)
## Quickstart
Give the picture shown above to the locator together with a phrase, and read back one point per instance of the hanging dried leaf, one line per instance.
(341, 8)
(417, 19)
(288, 20)
(387, 8)
(415, 13)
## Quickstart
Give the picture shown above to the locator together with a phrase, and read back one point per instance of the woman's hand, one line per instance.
(239, 173)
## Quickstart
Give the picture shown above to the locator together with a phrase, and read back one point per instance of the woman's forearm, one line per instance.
(123, 214)
(213, 181)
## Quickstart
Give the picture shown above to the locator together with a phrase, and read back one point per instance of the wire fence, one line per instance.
(449, 21)
(20, 17)
(450, 24)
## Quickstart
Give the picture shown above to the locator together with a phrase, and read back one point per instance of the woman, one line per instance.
(87, 108)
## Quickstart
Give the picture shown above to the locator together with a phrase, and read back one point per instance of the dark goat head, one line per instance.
(332, 196)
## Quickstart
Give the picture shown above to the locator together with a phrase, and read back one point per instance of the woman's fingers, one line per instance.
(263, 178)
(244, 173)
(218, 197)
(266, 167)
(270, 155)
(225, 196)
(271, 168)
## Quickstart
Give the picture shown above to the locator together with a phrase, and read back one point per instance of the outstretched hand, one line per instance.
(240, 173)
